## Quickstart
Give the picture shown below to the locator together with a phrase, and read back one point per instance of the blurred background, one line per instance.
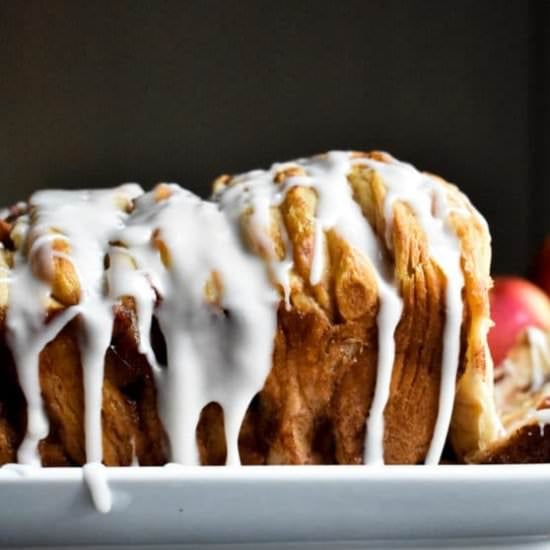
(97, 93)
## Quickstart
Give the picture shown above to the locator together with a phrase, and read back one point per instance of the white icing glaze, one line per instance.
(135, 458)
(336, 209)
(87, 220)
(255, 192)
(219, 351)
(27, 334)
(318, 250)
(95, 477)
(426, 196)
(26, 342)
(216, 352)
(542, 416)
(124, 279)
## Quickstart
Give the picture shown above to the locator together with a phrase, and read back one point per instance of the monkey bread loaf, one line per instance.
(329, 310)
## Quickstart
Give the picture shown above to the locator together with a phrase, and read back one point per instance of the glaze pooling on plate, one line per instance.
(216, 304)
(96, 479)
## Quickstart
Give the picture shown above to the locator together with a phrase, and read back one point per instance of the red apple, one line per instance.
(515, 305)
(542, 266)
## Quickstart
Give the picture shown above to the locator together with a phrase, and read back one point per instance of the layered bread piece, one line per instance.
(399, 304)
(327, 310)
(522, 398)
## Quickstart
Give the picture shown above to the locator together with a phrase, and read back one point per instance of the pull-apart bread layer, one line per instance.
(522, 397)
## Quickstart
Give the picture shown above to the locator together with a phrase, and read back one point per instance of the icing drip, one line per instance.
(95, 477)
(86, 220)
(256, 191)
(135, 458)
(427, 199)
(98, 327)
(542, 416)
(124, 279)
(319, 246)
(27, 336)
(219, 351)
(336, 209)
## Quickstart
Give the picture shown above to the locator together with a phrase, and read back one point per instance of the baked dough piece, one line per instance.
(322, 310)
(322, 384)
(522, 397)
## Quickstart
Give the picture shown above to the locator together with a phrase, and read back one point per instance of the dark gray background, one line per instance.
(96, 93)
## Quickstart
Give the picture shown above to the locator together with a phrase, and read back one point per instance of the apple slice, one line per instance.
(516, 304)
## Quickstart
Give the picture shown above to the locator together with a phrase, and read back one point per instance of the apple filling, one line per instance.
(522, 381)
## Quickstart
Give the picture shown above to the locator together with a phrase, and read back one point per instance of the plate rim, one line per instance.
(10, 473)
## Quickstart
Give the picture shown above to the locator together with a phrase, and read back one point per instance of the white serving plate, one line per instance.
(214, 505)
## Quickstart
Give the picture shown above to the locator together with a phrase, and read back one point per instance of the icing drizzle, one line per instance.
(68, 217)
(427, 198)
(337, 209)
(542, 416)
(242, 318)
(215, 304)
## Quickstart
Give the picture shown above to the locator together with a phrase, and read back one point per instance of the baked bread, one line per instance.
(522, 398)
(327, 310)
